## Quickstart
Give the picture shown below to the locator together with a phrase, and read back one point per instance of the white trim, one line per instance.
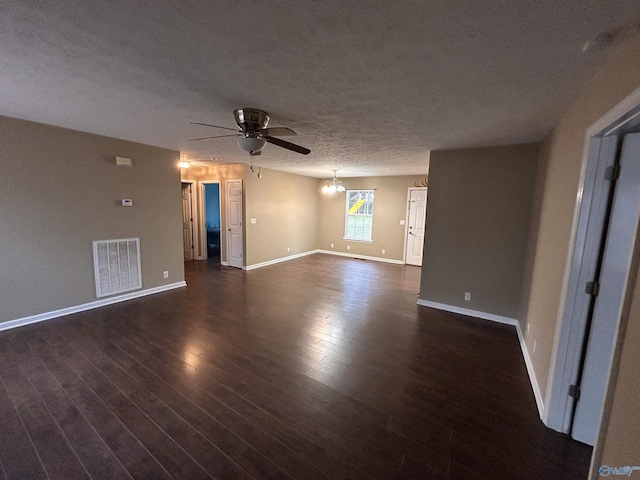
(406, 222)
(504, 320)
(346, 215)
(193, 194)
(227, 228)
(555, 417)
(362, 257)
(224, 264)
(532, 373)
(19, 322)
(202, 216)
(356, 240)
(468, 312)
(279, 260)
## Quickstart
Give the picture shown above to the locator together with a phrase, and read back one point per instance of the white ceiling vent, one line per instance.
(117, 266)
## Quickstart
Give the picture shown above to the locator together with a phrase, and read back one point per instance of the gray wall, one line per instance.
(60, 190)
(479, 208)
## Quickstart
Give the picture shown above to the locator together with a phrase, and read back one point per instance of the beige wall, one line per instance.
(389, 207)
(59, 191)
(200, 175)
(477, 227)
(285, 207)
(560, 166)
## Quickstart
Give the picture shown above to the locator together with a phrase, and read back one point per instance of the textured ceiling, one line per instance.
(370, 87)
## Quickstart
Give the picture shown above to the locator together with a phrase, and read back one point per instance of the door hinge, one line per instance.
(574, 391)
(612, 172)
(592, 288)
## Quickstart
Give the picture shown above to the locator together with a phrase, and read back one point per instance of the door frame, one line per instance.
(226, 221)
(406, 221)
(202, 233)
(194, 235)
(564, 366)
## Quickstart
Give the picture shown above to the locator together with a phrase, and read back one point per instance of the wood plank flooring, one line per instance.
(318, 368)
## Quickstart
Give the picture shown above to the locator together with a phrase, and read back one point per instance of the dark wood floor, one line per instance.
(321, 367)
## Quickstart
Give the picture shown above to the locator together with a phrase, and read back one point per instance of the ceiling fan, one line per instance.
(253, 133)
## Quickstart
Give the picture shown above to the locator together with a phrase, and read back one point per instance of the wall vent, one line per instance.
(117, 266)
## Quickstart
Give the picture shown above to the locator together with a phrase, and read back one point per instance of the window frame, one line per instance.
(366, 192)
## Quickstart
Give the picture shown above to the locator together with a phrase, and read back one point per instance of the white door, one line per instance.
(614, 273)
(415, 229)
(187, 221)
(234, 223)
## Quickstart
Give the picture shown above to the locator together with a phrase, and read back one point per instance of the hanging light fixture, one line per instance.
(333, 185)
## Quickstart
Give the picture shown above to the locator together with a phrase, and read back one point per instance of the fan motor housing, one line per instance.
(251, 119)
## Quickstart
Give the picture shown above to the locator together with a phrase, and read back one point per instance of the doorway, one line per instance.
(187, 221)
(235, 238)
(606, 229)
(414, 232)
(212, 220)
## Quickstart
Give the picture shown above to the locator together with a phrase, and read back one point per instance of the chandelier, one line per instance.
(333, 185)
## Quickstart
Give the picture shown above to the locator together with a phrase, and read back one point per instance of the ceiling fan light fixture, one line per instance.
(251, 144)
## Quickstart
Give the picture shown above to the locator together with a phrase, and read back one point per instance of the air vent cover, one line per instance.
(117, 266)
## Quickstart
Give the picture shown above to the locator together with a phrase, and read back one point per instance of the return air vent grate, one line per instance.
(117, 266)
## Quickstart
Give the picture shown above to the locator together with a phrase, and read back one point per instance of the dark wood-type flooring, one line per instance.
(317, 368)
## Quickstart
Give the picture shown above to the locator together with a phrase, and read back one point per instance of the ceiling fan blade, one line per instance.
(214, 126)
(278, 132)
(217, 136)
(287, 145)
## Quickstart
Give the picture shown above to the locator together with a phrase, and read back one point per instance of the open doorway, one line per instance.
(212, 220)
(606, 229)
(187, 221)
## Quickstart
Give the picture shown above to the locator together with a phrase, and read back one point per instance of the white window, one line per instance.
(359, 215)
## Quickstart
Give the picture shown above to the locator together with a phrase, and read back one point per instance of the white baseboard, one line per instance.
(361, 257)
(224, 264)
(41, 317)
(468, 312)
(499, 319)
(532, 375)
(279, 260)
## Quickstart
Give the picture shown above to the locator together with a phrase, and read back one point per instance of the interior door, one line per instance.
(415, 229)
(613, 277)
(235, 241)
(187, 221)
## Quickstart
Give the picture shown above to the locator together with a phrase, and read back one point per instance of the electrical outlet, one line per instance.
(332, 245)
(165, 274)
(288, 249)
(348, 247)
(467, 296)
(384, 251)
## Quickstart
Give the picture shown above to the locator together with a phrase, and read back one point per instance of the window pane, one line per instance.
(359, 214)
